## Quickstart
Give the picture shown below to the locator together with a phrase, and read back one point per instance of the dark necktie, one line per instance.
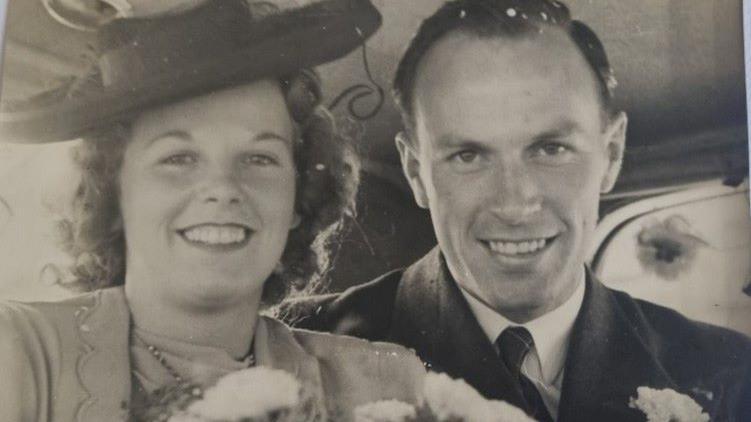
(514, 343)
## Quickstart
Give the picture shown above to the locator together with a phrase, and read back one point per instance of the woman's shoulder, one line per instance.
(54, 317)
(357, 371)
(356, 351)
(11, 310)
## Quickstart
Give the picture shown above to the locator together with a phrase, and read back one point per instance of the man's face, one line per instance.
(512, 153)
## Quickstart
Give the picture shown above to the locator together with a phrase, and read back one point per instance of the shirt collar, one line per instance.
(550, 332)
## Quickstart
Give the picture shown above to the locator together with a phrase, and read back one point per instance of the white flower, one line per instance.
(385, 411)
(451, 399)
(253, 392)
(667, 406)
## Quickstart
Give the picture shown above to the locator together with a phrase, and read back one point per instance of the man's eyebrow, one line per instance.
(559, 130)
(180, 135)
(451, 141)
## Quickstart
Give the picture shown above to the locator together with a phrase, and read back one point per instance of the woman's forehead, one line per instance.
(257, 107)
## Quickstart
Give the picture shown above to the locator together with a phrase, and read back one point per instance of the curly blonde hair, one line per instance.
(327, 175)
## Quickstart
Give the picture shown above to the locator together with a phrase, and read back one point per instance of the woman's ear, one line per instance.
(615, 143)
(411, 167)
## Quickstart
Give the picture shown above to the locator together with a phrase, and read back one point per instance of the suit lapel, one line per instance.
(608, 358)
(432, 316)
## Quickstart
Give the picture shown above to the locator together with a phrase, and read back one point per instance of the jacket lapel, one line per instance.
(432, 316)
(104, 362)
(608, 358)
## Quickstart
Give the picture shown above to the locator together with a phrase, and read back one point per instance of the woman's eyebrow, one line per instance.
(180, 135)
(270, 136)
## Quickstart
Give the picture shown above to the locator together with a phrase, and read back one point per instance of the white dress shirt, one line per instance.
(544, 364)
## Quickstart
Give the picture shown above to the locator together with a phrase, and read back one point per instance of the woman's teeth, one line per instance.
(517, 248)
(216, 235)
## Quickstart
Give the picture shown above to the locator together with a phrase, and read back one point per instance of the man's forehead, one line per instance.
(459, 57)
(489, 79)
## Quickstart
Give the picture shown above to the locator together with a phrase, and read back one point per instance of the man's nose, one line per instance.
(516, 198)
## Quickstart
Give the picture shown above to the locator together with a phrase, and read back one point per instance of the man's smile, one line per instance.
(523, 248)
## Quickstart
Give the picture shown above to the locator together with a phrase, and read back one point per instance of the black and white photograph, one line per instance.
(374, 211)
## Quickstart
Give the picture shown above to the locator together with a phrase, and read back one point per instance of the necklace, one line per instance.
(250, 360)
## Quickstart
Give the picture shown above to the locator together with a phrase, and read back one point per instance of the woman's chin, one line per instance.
(215, 290)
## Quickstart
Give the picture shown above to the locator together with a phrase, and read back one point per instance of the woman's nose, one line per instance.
(222, 188)
(515, 196)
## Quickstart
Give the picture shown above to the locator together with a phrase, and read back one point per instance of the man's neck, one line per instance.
(525, 315)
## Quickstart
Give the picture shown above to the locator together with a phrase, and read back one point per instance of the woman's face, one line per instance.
(207, 195)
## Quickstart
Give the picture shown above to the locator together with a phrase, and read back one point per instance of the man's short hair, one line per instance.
(510, 19)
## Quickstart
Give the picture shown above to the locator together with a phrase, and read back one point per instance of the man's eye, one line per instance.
(259, 160)
(552, 149)
(466, 157)
(181, 159)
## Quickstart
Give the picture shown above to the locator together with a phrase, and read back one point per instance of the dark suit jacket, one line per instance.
(618, 344)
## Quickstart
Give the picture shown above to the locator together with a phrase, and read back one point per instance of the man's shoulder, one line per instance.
(678, 340)
(363, 311)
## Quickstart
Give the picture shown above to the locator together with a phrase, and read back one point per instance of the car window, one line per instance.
(687, 251)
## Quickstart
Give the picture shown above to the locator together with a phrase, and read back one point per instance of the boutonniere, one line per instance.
(667, 406)
(444, 400)
(256, 394)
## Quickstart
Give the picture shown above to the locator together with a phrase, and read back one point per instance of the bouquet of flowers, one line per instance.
(667, 406)
(256, 394)
(445, 400)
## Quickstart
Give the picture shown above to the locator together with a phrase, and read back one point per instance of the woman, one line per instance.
(210, 185)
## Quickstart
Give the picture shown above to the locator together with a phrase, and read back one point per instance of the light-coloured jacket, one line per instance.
(69, 361)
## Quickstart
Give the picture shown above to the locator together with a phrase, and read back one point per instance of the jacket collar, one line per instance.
(432, 316)
(608, 356)
(104, 365)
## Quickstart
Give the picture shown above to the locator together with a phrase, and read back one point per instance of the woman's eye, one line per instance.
(260, 160)
(182, 159)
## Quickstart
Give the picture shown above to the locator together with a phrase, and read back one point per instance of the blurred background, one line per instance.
(676, 230)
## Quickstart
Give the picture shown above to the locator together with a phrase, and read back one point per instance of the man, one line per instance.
(511, 138)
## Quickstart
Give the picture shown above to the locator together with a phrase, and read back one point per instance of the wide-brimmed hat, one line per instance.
(147, 61)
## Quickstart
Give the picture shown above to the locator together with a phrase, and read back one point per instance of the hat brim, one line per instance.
(309, 39)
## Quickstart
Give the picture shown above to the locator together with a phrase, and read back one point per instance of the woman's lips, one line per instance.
(216, 234)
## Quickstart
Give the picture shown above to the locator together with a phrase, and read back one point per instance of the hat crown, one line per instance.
(147, 61)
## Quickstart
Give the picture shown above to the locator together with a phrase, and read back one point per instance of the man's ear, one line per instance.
(615, 143)
(117, 223)
(411, 168)
(296, 219)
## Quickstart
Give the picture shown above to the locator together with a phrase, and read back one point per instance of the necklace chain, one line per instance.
(159, 356)
(163, 361)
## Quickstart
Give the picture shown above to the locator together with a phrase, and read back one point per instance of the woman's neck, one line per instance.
(229, 327)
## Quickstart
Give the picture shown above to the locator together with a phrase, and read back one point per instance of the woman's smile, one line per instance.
(217, 236)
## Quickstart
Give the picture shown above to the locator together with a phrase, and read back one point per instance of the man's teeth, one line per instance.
(215, 235)
(517, 248)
